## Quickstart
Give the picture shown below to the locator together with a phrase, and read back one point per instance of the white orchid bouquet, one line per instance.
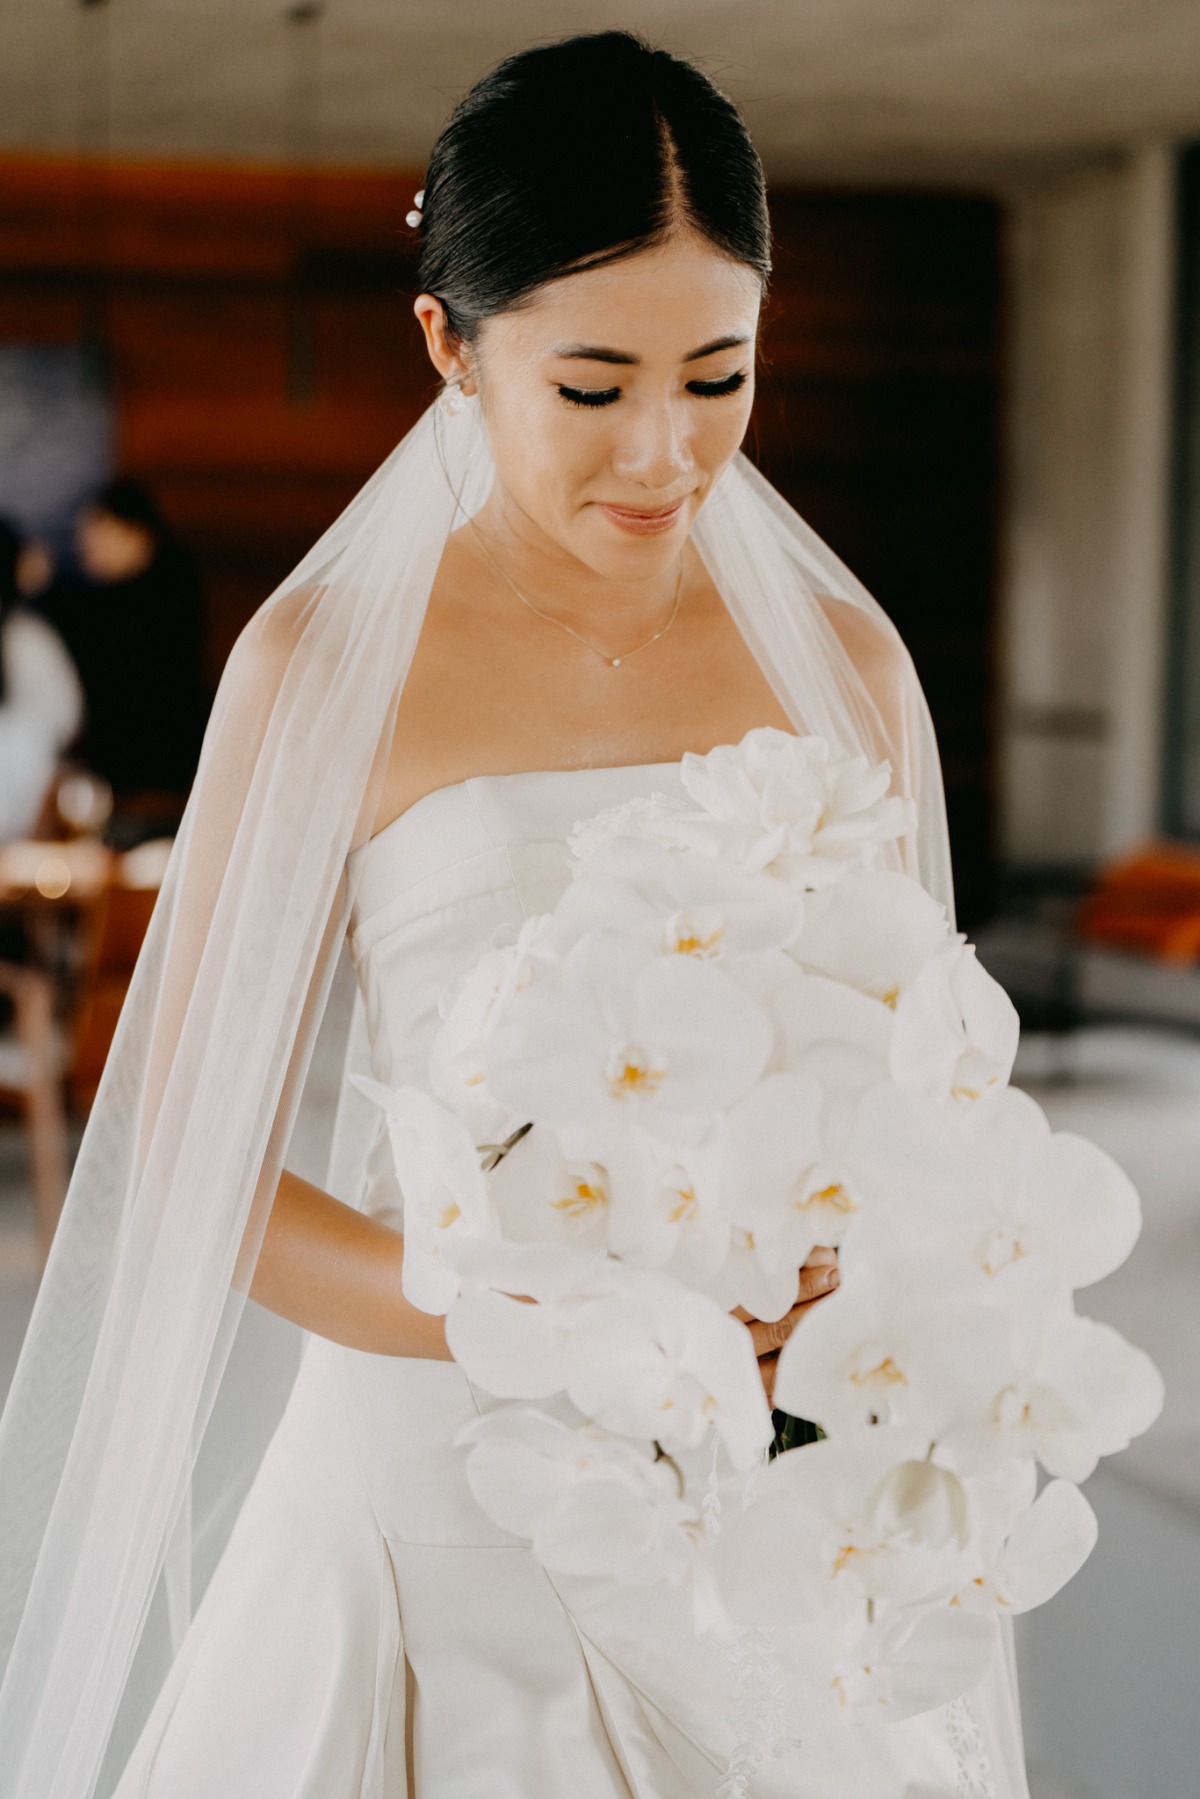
(740, 1036)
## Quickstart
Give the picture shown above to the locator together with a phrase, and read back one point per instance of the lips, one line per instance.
(641, 521)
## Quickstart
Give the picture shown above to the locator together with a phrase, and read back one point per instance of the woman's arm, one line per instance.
(336, 1272)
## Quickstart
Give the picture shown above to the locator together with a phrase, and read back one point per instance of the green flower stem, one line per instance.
(792, 1433)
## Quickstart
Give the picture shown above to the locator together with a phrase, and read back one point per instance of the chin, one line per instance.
(627, 555)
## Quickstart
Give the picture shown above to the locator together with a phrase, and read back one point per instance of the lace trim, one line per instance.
(758, 1711)
(975, 1777)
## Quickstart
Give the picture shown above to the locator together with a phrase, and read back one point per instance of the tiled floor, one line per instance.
(1109, 1667)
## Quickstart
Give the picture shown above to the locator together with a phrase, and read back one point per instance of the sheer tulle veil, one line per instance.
(147, 1387)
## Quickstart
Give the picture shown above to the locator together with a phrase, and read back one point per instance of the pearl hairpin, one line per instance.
(414, 217)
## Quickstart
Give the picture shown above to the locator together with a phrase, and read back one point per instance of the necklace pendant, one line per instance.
(614, 662)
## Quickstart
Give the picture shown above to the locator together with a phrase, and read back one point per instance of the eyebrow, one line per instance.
(598, 353)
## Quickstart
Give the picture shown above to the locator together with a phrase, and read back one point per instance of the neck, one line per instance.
(552, 578)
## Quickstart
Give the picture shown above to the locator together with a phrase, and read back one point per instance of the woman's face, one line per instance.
(614, 400)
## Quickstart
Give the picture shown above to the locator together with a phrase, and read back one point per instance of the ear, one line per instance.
(446, 353)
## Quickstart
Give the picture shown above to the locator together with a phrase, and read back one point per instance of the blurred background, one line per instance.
(982, 386)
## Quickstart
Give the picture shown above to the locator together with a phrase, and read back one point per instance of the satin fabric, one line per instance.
(369, 1633)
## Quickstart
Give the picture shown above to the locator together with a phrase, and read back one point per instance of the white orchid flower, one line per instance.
(781, 1189)
(1076, 1390)
(956, 1028)
(588, 1502)
(616, 1037)
(789, 806)
(468, 1009)
(636, 1353)
(894, 1352)
(445, 1194)
(875, 932)
(832, 1534)
(653, 1360)
(542, 1196)
(677, 902)
(793, 1175)
(814, 1013)
(667, 1218)
(910, 1662)
(1010, 1203)
(512, 1349)
(1024, 1548)
(866, 1541)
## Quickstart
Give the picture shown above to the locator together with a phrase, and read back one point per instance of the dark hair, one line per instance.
(579, 153)
(127, 499)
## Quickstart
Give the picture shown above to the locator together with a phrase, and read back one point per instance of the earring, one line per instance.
(453, 400)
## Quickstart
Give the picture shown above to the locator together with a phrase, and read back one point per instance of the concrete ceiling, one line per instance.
(833, 89)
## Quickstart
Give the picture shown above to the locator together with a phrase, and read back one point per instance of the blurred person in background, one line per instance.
(133, 620)
(41, 700)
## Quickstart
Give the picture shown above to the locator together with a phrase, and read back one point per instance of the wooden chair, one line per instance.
(63, 1017)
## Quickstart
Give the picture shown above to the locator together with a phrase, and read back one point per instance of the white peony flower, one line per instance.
(790, 806)
(445, 1194)
(617, 1037)
(646, 816)
(588, 1502)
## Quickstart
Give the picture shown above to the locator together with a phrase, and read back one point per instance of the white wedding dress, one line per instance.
(369, 1633)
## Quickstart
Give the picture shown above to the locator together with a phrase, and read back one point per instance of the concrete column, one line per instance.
(1138, 650)
(1085, 581)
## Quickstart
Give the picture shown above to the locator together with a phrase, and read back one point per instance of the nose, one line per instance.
(652, 449)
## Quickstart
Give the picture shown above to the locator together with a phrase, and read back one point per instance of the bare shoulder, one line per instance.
(268, 644)
(870, 640)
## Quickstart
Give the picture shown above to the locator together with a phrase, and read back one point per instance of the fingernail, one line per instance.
(832, 1277)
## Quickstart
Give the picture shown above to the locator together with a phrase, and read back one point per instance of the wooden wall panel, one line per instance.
(264, 360)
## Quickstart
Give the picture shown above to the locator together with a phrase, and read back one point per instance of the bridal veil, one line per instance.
(146, 1388)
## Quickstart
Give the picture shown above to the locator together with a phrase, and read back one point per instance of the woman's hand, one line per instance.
(818, 1278)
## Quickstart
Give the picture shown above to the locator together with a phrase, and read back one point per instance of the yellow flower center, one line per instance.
(582, 1197)
(633, 1072)
(885, 1373)
(685, 1205)
(835, 1196)
(696, 933)
(448, 1215)
(1000, 1250)
(1039, 1409)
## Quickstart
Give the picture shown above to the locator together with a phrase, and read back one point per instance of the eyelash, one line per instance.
(590, 398)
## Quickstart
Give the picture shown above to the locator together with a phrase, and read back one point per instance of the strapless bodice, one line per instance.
(456, 873)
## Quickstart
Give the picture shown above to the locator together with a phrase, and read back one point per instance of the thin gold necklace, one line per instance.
(613, 661)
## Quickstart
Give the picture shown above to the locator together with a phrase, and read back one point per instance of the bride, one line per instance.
(565, 578)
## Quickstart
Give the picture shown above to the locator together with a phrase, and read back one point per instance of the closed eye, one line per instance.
(605, 396)
(590, 396)
(712, 390)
